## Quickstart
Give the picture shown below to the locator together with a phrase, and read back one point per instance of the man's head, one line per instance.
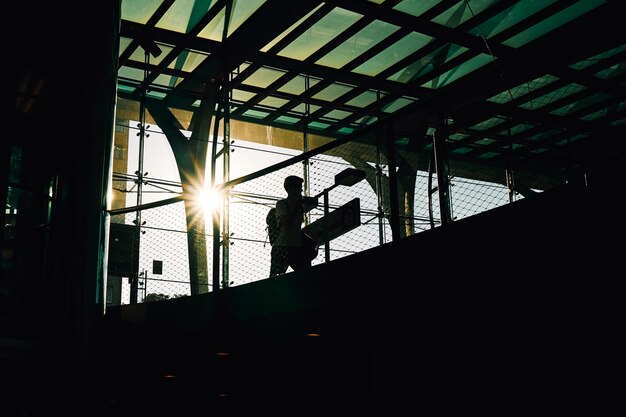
(293, 183)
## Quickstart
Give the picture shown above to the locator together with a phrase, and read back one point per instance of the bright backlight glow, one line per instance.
(208, 199)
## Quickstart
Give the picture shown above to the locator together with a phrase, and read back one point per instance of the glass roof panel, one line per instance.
(508, 17)
(183, 15)
(415, 7)
(256, 114)
(357, 44)
(287, 120)
(345, 131)
(484, 141)
(597, 58)
(187, 60)
(242, 10)
(489, 123)
(457, 136)
(297, 85)
(318, 125)
(542, 135)
(301, 108)
(523, 89)
(367, 120)
(320, 33)
(519, 128)
(139, 11)
(549, 24)
(581, 104)
(399, 50)
(605, 112)
(578, 137)
(337, 114)
(333, 91)
(454, 74)
(619, 122)
(263, 77)
(397, 105)
(377, 1)
(126, 72)
(460, 151)
(155, 94)
(288, 31)
(124, 42)
(274, 102)
(552, 96)
(462, 11)
(427, 63)
(215, 29)
(613, 71)
(240, 95)
(125, 88)
(166, 80)
(363, 100)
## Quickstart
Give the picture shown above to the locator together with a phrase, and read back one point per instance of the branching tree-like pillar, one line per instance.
(190, 157)
(360, 156)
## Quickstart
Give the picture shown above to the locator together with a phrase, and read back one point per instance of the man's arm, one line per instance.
(309, 203)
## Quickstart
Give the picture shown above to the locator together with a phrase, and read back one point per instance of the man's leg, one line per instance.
(297, 259)
(279, 262)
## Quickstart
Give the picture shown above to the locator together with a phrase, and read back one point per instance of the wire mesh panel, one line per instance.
(248, 248)
(249, 251)
(477, 194)
(155, 254)
(426, 208)
(471, 197)
(164, 240)
(325, 168)
(167, 234)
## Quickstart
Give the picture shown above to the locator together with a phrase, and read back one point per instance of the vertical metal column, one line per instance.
(5, 163)
(226, 198)
(305, 148)
(443, 178)
(380, 189)
(215, 211)
(510, 184)
(326, 239)
(431, 191)
(394, 215)
(508, 172)
(380, 197)
(134, 280)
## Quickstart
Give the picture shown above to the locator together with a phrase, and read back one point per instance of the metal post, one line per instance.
(305, 149)
(443, 181)
(510, 184)
(380, 192)
(326, 240)
(225, 200)
(134, 280)
(394, 215)
(215, 214)
(216, 247)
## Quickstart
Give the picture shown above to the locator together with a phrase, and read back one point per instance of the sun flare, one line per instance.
(208, 199)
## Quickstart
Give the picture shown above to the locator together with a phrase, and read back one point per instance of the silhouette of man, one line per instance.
(288, 249)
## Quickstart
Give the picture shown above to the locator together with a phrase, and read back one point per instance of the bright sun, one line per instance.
(208, 199)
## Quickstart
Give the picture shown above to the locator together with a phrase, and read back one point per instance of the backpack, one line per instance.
(272, 225)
